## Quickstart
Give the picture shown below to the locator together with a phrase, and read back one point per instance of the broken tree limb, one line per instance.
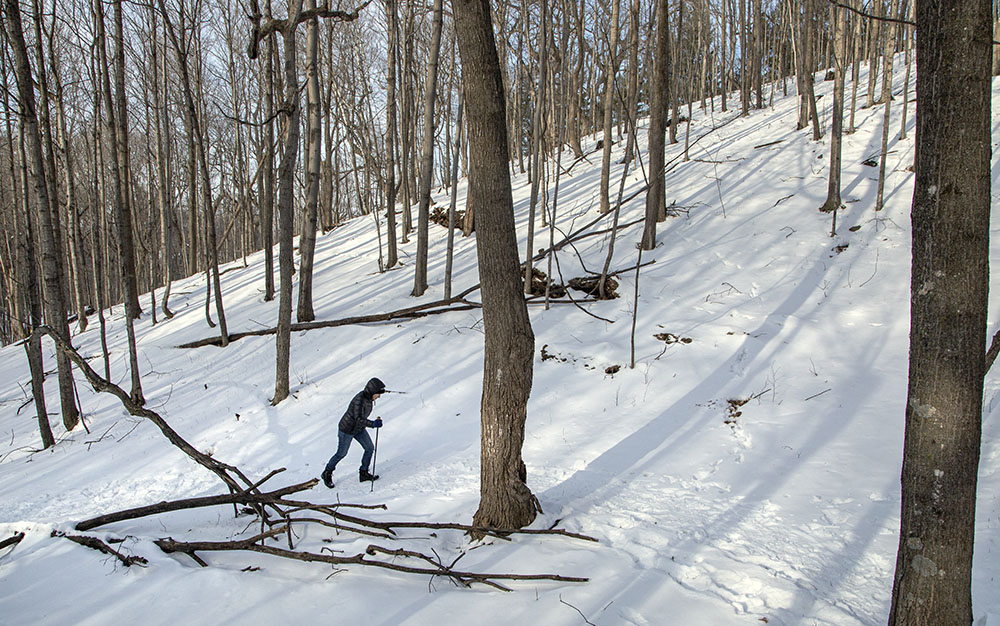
(422, 310)
(101, 385)
(242, 497)
(12, 540)
(96, 544)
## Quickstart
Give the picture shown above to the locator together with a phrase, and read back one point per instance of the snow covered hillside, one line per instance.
(745, 471)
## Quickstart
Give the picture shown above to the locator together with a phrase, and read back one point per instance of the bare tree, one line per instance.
(427, 155)
(887, 54)
(505, 499)
(948, 294)
(656, 193)
(13, 32)
(833, 202)
(390, 133)
(307, 237)
(611, 70)
(201, 152)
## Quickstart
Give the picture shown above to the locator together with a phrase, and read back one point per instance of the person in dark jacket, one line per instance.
(352, 426)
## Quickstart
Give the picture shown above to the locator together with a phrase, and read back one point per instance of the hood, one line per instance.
(373, 387)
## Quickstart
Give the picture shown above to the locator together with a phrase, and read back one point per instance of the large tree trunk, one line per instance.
(505, 500)
(949, 284)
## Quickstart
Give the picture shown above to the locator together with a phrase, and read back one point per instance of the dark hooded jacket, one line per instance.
(355, 419)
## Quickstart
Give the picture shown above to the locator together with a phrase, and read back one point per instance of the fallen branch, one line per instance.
(770, 143)
(242, 497)
(465, 578)
(13, 540)
(101, 385)
(96, 544)
(423, 310)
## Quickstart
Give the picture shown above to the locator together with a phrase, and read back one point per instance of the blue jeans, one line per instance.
(344, 444)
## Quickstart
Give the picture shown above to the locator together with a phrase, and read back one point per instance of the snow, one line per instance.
(750, 475)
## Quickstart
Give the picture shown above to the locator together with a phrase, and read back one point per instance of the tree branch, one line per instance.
(100, 546)
(242, 497)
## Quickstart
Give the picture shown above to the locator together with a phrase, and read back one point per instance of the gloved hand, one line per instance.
(377, 423)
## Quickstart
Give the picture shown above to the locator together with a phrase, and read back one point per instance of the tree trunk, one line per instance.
(49, 233)
(307, 239)
(31, 289)
(163, 167)
(611, 70)
(887, 54)
(427, 155)
(537, 130)
(392, 257)
(949, 284)
(267, 202)
(833, 203)
(505, 500)
(286, 178)
(200, 148)
(656, 197)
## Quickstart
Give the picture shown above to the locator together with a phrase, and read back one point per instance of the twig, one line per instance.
(817, 394)
(577, 610)
(770, 143)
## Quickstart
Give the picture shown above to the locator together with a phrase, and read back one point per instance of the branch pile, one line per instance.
(302, 513)
(277, 513)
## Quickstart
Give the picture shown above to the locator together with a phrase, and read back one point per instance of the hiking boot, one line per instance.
(363, 475)
(327, 477)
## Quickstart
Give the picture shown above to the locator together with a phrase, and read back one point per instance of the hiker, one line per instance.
(352, 426)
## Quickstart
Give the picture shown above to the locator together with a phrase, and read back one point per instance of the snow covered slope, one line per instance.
(746, 473)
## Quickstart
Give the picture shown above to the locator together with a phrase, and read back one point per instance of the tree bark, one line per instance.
(55, 309)
(267, 202)
(611, 70)
(392, 257)
(656, 195)
(887, 54)
(427, 155)
(949, 284)
(286, 178)
(833, 202)
(307, 236)
(505, 499)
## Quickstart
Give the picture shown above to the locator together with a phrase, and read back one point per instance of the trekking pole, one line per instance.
(374, 458)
